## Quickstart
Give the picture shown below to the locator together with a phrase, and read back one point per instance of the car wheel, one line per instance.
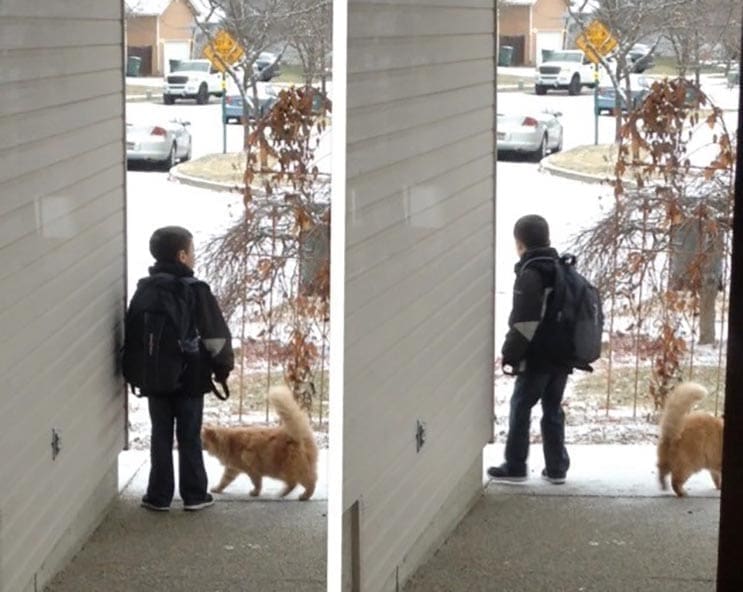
(202, 98)
(558, 148)
(543, 149)
(172, 158)
(540, 90)
(574, 88)
(168, 99)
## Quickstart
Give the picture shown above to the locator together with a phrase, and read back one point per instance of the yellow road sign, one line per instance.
(223, 49)
(596, 41)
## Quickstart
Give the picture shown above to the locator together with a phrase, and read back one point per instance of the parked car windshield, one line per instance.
(565, 56)
(192, 67)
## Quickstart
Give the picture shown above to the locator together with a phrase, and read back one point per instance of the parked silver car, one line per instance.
(535, 134)
(165, 143)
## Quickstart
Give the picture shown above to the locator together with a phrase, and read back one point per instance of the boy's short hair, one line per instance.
(533, 231)
(166, 242)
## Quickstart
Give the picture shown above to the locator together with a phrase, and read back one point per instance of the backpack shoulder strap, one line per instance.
(526, 263)
(559, 277)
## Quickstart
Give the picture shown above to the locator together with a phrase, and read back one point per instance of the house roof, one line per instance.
(153, 7)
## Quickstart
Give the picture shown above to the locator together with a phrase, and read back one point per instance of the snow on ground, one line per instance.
(586, 422)
(215, 412)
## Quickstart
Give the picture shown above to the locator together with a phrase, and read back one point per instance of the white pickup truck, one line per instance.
(564, 69)
(192, 79)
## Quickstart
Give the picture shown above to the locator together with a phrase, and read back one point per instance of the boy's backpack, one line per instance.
(162, 348)
(574, 320)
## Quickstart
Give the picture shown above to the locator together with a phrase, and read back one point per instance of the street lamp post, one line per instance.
(596, 104)
(224, 119)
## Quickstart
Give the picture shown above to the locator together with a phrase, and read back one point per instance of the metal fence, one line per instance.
(268, 272)
(659, 310)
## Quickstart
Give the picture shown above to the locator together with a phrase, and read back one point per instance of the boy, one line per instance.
(173, 250)
(538, 375)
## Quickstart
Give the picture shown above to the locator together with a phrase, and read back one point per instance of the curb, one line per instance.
(138, 99)
(545, 166)
(178, 177)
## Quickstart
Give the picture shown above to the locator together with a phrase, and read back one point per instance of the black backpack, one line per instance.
(163, 352)
(571, 332)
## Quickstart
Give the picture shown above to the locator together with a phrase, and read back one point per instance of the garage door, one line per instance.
(174, 50)
(547, 40)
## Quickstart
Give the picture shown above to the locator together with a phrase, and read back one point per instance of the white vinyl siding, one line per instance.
(419, 268)
(62, 177)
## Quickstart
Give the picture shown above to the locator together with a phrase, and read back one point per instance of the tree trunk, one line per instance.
(617, 107)
(246, 129)
(707, 300)
(697, 61)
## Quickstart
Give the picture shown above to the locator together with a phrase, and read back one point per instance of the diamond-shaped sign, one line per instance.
(223, 50)
(596, 41)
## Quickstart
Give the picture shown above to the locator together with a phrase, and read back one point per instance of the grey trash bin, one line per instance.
(505, 56)
(733, 78)
(133, 65)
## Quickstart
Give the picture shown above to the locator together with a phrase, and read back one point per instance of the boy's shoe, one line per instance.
(145, 503)
(208, 501)
(503, 473)
(557, 479)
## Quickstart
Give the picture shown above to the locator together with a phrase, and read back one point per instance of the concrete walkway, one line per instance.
(241, 543)
(609, 529)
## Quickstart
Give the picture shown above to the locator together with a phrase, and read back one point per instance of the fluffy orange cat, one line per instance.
(287, 452)
(689, 441)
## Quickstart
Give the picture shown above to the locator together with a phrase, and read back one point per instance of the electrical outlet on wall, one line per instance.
(420, 435)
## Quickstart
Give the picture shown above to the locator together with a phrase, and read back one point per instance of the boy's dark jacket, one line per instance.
(212, 327)
(525, 348)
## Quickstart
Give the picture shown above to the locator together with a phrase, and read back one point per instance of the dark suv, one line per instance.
(641, 58)
(268, 66)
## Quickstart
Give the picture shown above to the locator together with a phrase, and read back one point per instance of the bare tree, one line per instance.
(685, 30)
(728, 18)
(256, 26)
(629, 23)
(697, 27)
(310, 35)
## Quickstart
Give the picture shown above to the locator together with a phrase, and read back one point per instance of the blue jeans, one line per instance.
(531, 387)
(184, 414)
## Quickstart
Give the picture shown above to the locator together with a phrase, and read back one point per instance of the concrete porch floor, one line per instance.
(241, 543)
(609, 529)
